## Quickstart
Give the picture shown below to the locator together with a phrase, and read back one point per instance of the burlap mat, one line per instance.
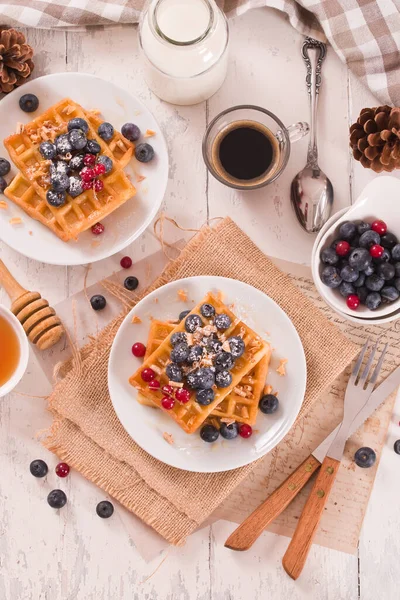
(88, 435)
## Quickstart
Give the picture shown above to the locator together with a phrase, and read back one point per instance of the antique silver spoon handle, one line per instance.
(313, 53)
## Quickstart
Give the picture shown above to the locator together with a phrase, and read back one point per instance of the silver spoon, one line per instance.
(312, 191)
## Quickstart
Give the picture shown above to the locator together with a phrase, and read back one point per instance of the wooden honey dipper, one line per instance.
(39, 320)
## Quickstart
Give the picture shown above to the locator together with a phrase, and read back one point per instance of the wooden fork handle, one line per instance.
(11, 285)
(246, 534)
(299, 547)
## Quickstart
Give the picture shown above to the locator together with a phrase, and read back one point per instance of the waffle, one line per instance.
(28, 189)
(191, 415)
(241, 404)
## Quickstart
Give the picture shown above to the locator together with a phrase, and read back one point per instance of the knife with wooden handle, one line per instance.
(247, 533)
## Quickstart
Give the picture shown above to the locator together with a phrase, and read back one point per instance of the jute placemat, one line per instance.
(88, 435)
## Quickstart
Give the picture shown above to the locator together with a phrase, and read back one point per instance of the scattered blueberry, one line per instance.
(63, 145)
(195, 353)
(205, 397)
(38, 468)
(92, 147)
(56, 199)
(386, 270)
(213, 344)
(229, 432)
(360, 281)
(209, 433)
(131, 283)
(144, 153)
(374, 283)
(390, 293)
(365, 457)
(373, 301)
(330, 277)
(223, 379)
(98, 302)
(347, 231)
(75, 186)
(268, 404)
(106, 131)
(131, 132)
(3, 184)
(236, 346)
(180, 353)
(174, 372)
(369, 238)
(105, 509)
(183, 314)
(207, 310)
(59, 166)
(78, 123)
(222, 322)
(29, 103)
(47, 150)
(360, 258)
(396, 446)
(77, 139)
(178, 337)
(347, 289)
(57, 499)
(201, 379)
(349, 274)
(388, 240)
(59, 182)
(192, 322)
(363, 227)
(224, 361)
(329, 256)
(4, 167)
(106, 161)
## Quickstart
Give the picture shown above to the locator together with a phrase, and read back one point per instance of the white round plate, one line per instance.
(146, 425)
(125, 224)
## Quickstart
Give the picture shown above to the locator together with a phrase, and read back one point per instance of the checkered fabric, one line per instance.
(364, 33)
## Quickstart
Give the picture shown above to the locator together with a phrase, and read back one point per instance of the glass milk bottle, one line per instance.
(184, 46)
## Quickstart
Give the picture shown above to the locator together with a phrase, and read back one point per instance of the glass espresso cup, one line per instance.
(247, 147)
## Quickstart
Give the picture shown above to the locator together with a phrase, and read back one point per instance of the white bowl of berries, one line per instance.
(356, 259)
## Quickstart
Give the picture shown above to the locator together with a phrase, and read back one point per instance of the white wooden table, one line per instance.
(74, 555)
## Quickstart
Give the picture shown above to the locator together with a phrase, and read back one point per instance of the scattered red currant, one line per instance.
(87, 174)
(99, 169)
(147, 375)
(97, 228)
(126, 262)
(167, 389)
(89, 160)
(98, 185)
(167, 403)
(376, 251)
(182, 395)
(245, 430)
(379, 226)
(62, 469)
(87, 185)
(353, 301)
(342, 248)
(138, 349)
(154, 385)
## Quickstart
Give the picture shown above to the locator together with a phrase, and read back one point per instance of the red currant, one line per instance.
(353, 301)
(98, 185)
(62, 469)
(379, 226)
(342, 248)
(87, 185)
(167, 403)
(97, 228)
(245, 430)
(126, 262)
(167, 389)
(182, 395)
(99, 169)
(376, 251)
(147, 375)
(89, 160)
(154, 385)
(138, 349)
(87, 174)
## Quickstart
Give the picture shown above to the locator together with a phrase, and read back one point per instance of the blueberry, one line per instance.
(374, 283)
(205, 397)
(222, 322)
(174, 372)
(396, 446)
(130, 131)
(56, 199)
(223, 379)
(387, 271)
(131, 283)
(386, 257)
(106, 131)
(4, 167)
(77, 139)
(180, 353)
(347, 231)
(105, 509)
(360, 258)
(395, 249)
(209, 433)
(177, 338)
(363, 227)
(335, 243)
(213, 344)
(59, 182)
(60, 166)
(236, 346)
(144, 153)
(98, 302)
(183, 314)
(369, 270)
(224, 361)
(63, 145)
(29, 103)
(362, 293)
(346, 289)
(78, 123)
(229, 432)
(195, 354)
(388, 240)
(47, 150)
(192, 322)
(38, 468)
(92, 147)
(373, 301)
(330, 277)
(355, 242)
(3, 184)
(106, 161)
(268, 404)
(75, 186)
(369, 238)
(365, 457)
(349, 274)
(57, 499)
(360, 281)
(397, 269)
(201, 379)
(390, 293)
(207, 310)
(329, 256)
(397, 283)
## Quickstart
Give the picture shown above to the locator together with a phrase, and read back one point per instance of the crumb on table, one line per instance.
(3, 204)
(267, 389)
(15, 221)
(140, 178)
(281, 369)
(149, 133)
(136, 320)
(182, 295)
(168, 438)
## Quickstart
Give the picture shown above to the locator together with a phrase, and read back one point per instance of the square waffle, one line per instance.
(28, 189)
(191, 415)
(241, 404)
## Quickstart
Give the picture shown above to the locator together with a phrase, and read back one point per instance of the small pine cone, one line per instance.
(15, 59)
(375, 138)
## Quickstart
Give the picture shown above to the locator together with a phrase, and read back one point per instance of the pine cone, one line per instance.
(375, 138)
(15, 59)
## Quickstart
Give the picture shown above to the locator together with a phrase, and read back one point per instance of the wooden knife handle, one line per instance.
(11, 285)
(246, 534)
(299, 547)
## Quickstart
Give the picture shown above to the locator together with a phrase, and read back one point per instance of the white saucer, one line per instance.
(130, 220)
(146, 425)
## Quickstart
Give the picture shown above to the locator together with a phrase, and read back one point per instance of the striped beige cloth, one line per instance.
(364, 33)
